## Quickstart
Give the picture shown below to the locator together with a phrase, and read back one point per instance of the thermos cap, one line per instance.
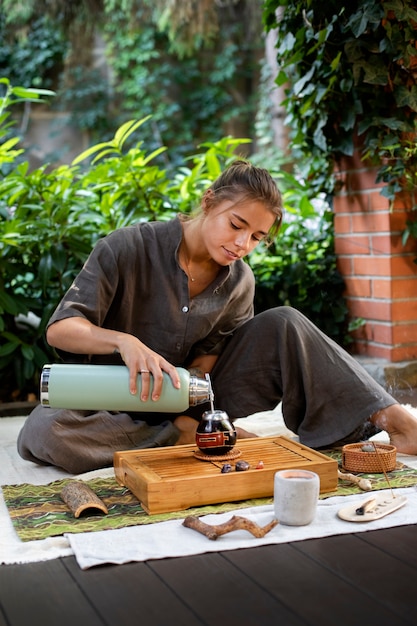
(44, 385)
(199, 390)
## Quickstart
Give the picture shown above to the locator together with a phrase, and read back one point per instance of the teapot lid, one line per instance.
(216, 415)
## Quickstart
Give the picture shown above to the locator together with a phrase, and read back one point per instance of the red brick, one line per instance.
(398, 335)
(374, 332)
(398, 221)
(372, 266)
(404, 201)
(403, 266)
(404, 287)
(404, 310)
(404, 334)
(371, 222)
(381, 333)
(342, 224)
(369, 309)
(377, 202)
(394, 355)
(349, 203)
(382, 244)
(358, 287)
(369, 349)
(362, 179)
(391, 244)
(348, 163)
(345, 265)
(406, 353)
(381, 288)
(352, 244)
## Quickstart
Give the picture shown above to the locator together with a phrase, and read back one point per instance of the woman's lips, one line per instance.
(230, 255)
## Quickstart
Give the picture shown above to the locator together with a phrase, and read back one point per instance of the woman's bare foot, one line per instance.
(400, 425)
(244, 434)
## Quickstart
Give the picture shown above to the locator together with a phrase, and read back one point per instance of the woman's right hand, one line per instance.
(79, 336)
(142, 360)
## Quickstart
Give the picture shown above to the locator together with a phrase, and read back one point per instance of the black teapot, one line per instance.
(215, 434)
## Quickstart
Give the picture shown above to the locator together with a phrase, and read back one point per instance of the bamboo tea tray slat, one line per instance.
(173, 479)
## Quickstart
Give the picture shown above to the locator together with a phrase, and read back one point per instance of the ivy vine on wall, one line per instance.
(350, 72)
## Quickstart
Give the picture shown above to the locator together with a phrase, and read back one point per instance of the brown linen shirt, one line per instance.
(132, 282)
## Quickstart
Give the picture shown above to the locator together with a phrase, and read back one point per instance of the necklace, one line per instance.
(187, 262)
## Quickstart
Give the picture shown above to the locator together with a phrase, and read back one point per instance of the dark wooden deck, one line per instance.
(369, 578)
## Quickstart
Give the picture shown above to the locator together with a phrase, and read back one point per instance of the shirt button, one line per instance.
(178, 346)
(185, 309)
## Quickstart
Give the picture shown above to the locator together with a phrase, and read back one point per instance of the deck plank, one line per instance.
(402, 545)
(310, 588)
(2, 617)
(218, 592)
(131, 594)
(43, 593)
(386, 580)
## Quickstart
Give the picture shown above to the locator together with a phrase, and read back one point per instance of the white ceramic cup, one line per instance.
(296, 494)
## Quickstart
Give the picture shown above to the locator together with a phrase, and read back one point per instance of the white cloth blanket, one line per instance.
(173, 539)
(14, 470)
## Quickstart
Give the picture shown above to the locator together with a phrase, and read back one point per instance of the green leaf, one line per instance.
(127, 129)
(9, 304)
(376, 73)
(358, 23)
(7, 145)
(154, 154)
(112, 150)
(90, 151)
(406, 97)
(31, 93)
(27, 352)
(9, 348)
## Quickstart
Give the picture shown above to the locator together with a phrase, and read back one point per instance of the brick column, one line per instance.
(379, 272)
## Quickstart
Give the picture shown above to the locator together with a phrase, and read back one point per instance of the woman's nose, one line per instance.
(243, 240)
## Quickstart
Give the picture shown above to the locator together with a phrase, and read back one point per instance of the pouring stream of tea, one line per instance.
(211, 393)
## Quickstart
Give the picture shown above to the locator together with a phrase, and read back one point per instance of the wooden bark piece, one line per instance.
(234, 523)
(79, 497)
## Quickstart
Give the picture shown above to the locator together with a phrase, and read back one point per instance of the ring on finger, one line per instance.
(144, 371)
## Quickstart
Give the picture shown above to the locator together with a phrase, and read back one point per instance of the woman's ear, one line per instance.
(207, 200)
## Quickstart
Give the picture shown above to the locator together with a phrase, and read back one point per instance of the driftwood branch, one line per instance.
(234, 523)
(363, 483)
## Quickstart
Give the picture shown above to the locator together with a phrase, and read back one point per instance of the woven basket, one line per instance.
(354, 459)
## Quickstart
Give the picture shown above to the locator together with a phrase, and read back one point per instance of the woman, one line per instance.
(164, 294)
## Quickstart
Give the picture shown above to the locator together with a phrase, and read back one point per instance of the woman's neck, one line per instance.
(194, 259)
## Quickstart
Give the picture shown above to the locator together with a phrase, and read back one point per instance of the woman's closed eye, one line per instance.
(254, 236)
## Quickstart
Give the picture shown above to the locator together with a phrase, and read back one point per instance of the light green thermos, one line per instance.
(106, 387)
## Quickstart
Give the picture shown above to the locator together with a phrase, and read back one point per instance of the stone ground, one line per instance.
(399, 379)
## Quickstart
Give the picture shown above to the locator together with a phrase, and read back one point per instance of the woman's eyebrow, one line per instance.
(241, 219)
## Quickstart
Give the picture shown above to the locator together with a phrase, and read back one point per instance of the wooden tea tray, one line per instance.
(172, 479)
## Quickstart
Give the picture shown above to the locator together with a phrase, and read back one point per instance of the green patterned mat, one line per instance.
(38, 512)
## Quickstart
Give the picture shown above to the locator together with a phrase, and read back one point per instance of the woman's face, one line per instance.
(233, 229)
